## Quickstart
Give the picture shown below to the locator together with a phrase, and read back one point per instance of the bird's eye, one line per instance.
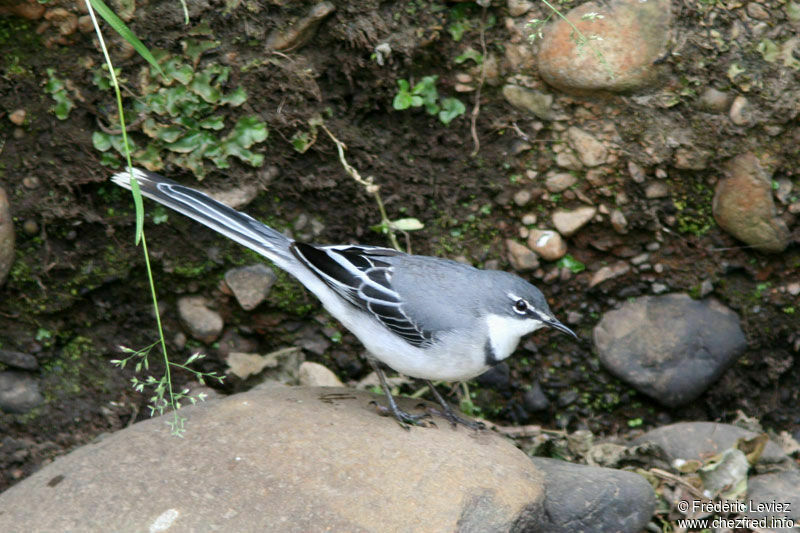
(520, 306)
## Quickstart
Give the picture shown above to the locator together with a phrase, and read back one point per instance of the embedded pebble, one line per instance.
(203, 323)
(19, 392)
(741, 112)
(637, 173)
(547, 243)
(30, 227)
(590, 151)
(518, 7)
(567, 223)
(609, 272)
(714, 100)
(744, 207)
(619, 222)
(250, 284)
(537, 103)
(19, 360)
(657, 189)
(560, 182)
(521, 198)
(521, 257)
(301, 32)
(17, 117)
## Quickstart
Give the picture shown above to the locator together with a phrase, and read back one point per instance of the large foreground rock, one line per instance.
(283, 459)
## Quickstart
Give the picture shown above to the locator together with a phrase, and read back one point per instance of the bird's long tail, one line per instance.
(240, 227)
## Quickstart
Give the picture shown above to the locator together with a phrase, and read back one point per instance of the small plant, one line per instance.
(180, 115)
(162, 386)
(425, 94)
(57, 90)
(572, 264)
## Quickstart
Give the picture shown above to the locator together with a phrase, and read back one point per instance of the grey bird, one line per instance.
(425, 317)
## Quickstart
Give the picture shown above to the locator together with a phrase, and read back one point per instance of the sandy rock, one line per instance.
(283, 459)
(744, 207)
(633, 35)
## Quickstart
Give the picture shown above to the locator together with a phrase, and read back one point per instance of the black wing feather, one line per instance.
(361, 276)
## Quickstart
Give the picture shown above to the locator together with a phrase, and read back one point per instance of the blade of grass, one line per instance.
(116, 23)
(177, 421)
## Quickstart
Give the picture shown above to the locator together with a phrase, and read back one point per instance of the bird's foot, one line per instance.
(455, 420)
(404, 418)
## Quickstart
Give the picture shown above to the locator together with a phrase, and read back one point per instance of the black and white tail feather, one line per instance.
(358, 274)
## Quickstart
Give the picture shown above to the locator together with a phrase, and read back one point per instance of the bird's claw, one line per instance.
(404, 418)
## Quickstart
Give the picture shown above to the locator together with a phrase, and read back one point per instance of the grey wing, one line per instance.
(360, 276)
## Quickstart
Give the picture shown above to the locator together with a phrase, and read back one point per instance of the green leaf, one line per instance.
(402, 100)
(169, 134)
(212, 123)
(110, 159)
(150, 157)
(174, 69)
(300, 141)
(234, 98)
(194, 48)
(201, 86)
(196, 141)
(407, 224)
(451, 108)
(571, 263)
(100, 141)
(469, 54)
(116, 23)
(247, 132)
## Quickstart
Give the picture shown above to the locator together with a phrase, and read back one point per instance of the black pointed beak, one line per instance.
(553, 323)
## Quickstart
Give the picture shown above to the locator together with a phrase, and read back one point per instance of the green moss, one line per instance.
(692, 203)
(289, 296)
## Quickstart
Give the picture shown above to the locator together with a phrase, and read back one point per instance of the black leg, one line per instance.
(448, 412)
(403, 418)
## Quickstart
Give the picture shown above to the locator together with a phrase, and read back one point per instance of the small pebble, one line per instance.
(659, 288)
(17, 117)
(521, 198)
(30, 227)
(30, 182)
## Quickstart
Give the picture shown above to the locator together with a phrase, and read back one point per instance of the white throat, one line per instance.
(506, 331)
